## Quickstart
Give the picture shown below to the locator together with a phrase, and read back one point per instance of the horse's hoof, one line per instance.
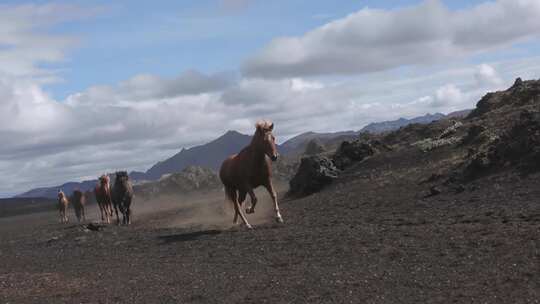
(249, 211)
(279, 219)
(248, 226)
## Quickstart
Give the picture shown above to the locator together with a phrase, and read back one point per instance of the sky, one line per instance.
(88, 87)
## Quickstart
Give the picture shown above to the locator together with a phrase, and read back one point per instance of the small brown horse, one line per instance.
(103, 198)
(249, 169)
(79, 200)
(62, 206)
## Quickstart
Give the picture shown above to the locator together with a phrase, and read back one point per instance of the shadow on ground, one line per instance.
(185, 237)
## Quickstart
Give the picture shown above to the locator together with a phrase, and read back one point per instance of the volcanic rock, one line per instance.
(314, 173)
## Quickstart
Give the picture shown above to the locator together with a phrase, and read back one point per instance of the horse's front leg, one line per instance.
(108, 210)
(128, 215)
(117, 217)
(273, 194)
(101, 213)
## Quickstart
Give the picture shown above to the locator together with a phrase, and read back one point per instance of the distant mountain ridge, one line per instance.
(52, 192)
(211, 154)
(386, 126)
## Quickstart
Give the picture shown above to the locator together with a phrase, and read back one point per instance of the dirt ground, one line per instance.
(371, 237)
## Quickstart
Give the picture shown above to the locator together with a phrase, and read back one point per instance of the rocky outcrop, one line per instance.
(521, 93)
(314, 173)
(317, 171)
(519, 147)
(352, 151)
(314, 147)
(191, 179)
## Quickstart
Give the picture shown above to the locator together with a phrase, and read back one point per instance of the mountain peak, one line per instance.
(232, 133)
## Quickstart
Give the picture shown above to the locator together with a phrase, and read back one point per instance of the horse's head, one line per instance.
(265, 140)
(77, 194)
(104, 180)
(121, 177)
(61, 194)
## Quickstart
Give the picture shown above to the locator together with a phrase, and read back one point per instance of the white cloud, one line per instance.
(24, 43)
(448, 95)
(487, 76)
(374, 40)
(147, 87)
(25, 108)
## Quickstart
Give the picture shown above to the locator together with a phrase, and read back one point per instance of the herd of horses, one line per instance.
(240, 174)
(118, 197)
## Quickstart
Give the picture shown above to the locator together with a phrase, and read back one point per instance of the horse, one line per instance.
(62, 206)
(79, 200)
(250, 168)
(102, 191)
(122, 195)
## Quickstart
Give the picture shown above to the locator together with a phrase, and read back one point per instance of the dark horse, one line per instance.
(122, 195)
(249, 169)
(103, 198)
(78, 205)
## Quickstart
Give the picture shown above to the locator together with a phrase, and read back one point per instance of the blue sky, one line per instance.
(88, 87)
(131, 37)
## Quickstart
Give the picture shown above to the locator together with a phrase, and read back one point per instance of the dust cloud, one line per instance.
(207, 210)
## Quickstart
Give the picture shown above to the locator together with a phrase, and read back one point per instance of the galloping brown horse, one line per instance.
(79, 200)
(62, 206)
(249, 169)
(103, 198)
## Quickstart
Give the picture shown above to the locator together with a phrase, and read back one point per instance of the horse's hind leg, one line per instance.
(242, 216)
(253, 201)
(237, 210)
(232, 195)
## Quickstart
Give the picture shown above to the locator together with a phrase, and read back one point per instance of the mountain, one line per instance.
(209, 155)
(52, 192)
(18, 206)
(385, 126)
(298, 144)
(459, 114)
